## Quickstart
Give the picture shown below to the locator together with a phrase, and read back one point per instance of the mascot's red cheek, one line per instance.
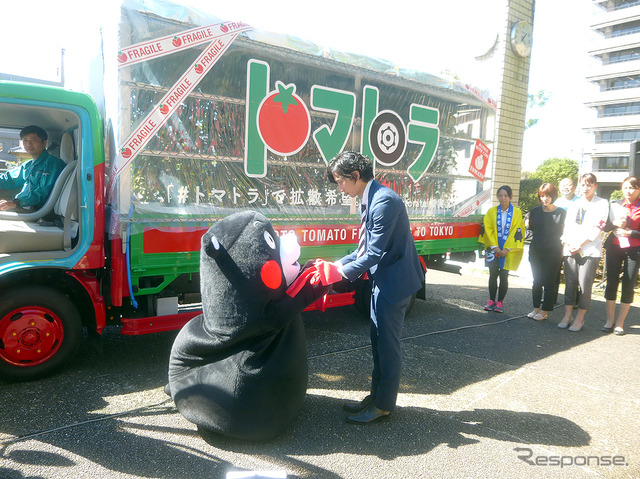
(271, 274)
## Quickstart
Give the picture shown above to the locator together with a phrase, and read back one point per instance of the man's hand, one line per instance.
(339, 265)
(6, 205)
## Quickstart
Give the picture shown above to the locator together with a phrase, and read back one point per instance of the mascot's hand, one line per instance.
(320, 272)
(308, 265)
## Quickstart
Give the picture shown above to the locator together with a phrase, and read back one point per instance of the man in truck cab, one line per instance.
(35, 178)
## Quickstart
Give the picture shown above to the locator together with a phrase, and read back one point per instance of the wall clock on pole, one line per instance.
(521, 38)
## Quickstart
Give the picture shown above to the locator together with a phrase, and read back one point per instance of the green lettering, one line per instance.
(342, 104)
(255, 151)
(423, 129)
(369, 112)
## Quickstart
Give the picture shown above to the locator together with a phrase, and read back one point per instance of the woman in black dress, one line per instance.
(545, 252)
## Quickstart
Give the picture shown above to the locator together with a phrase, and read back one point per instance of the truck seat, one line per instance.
(22, 236)
(67, 148)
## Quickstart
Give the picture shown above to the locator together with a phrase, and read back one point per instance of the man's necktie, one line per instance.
(361, 233)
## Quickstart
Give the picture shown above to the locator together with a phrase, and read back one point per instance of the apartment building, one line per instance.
(617, 103)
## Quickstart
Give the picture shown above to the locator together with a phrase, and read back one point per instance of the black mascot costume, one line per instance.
(240, 368)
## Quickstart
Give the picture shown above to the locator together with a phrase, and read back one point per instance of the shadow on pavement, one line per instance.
(321, 429)
(450, 343)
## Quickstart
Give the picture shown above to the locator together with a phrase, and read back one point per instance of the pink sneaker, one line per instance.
(499, 308)
(490, 306)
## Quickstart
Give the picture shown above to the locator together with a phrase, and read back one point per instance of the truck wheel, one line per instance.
(40, 329)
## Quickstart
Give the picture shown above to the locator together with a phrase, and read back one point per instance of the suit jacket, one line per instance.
(389, 247)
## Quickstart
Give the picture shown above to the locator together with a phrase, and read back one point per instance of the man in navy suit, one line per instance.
(389, 256)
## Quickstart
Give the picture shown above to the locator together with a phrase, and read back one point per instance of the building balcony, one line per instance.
(609, 97)
(614, 123)
(610, 176)
(608, 149)
(614, 44)
(616, 17)
(615, 70)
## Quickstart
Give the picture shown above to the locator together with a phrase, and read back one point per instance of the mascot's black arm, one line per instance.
(283, 310)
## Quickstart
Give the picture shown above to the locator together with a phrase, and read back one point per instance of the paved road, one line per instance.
(483, 395)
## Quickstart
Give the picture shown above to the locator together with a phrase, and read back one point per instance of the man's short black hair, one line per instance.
(348, 162)
(27, 130)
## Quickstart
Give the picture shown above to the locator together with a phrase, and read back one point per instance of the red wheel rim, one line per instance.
(30, 336)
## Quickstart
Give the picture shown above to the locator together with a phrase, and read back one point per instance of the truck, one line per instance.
(212, 117)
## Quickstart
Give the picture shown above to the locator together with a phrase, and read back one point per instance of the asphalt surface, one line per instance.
(483, 395)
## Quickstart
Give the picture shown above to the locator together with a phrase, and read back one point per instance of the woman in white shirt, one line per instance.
(582, 249)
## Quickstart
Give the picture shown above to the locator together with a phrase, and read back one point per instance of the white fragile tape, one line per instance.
(139, 138)
(174, 43)
(473, 204)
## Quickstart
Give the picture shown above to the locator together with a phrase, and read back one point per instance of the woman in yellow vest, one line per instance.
(503, 238)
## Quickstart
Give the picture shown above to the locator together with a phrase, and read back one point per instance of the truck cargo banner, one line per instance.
(170, 102)
(260, 129)
(186, 239)
(174, 43)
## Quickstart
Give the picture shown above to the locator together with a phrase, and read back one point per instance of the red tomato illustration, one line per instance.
(126, 153)
(224, 28)
(199, 69)
(176, 42)
(284, 123)
(122, 57)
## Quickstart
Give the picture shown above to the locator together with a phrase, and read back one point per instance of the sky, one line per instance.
(438, 37)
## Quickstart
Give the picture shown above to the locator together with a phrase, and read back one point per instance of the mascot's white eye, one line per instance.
(269, 239)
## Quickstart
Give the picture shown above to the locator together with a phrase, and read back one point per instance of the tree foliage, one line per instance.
(553, 171)
(528, 197)
(616, 195)
(535, 101)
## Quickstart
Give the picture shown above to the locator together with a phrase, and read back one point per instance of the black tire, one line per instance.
(40, 330)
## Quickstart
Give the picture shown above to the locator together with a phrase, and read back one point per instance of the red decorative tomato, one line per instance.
(122, 57)
(176, 41)
(284, 122)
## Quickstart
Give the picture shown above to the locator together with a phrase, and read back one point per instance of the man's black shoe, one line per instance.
(354, 407)
(369, 415)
